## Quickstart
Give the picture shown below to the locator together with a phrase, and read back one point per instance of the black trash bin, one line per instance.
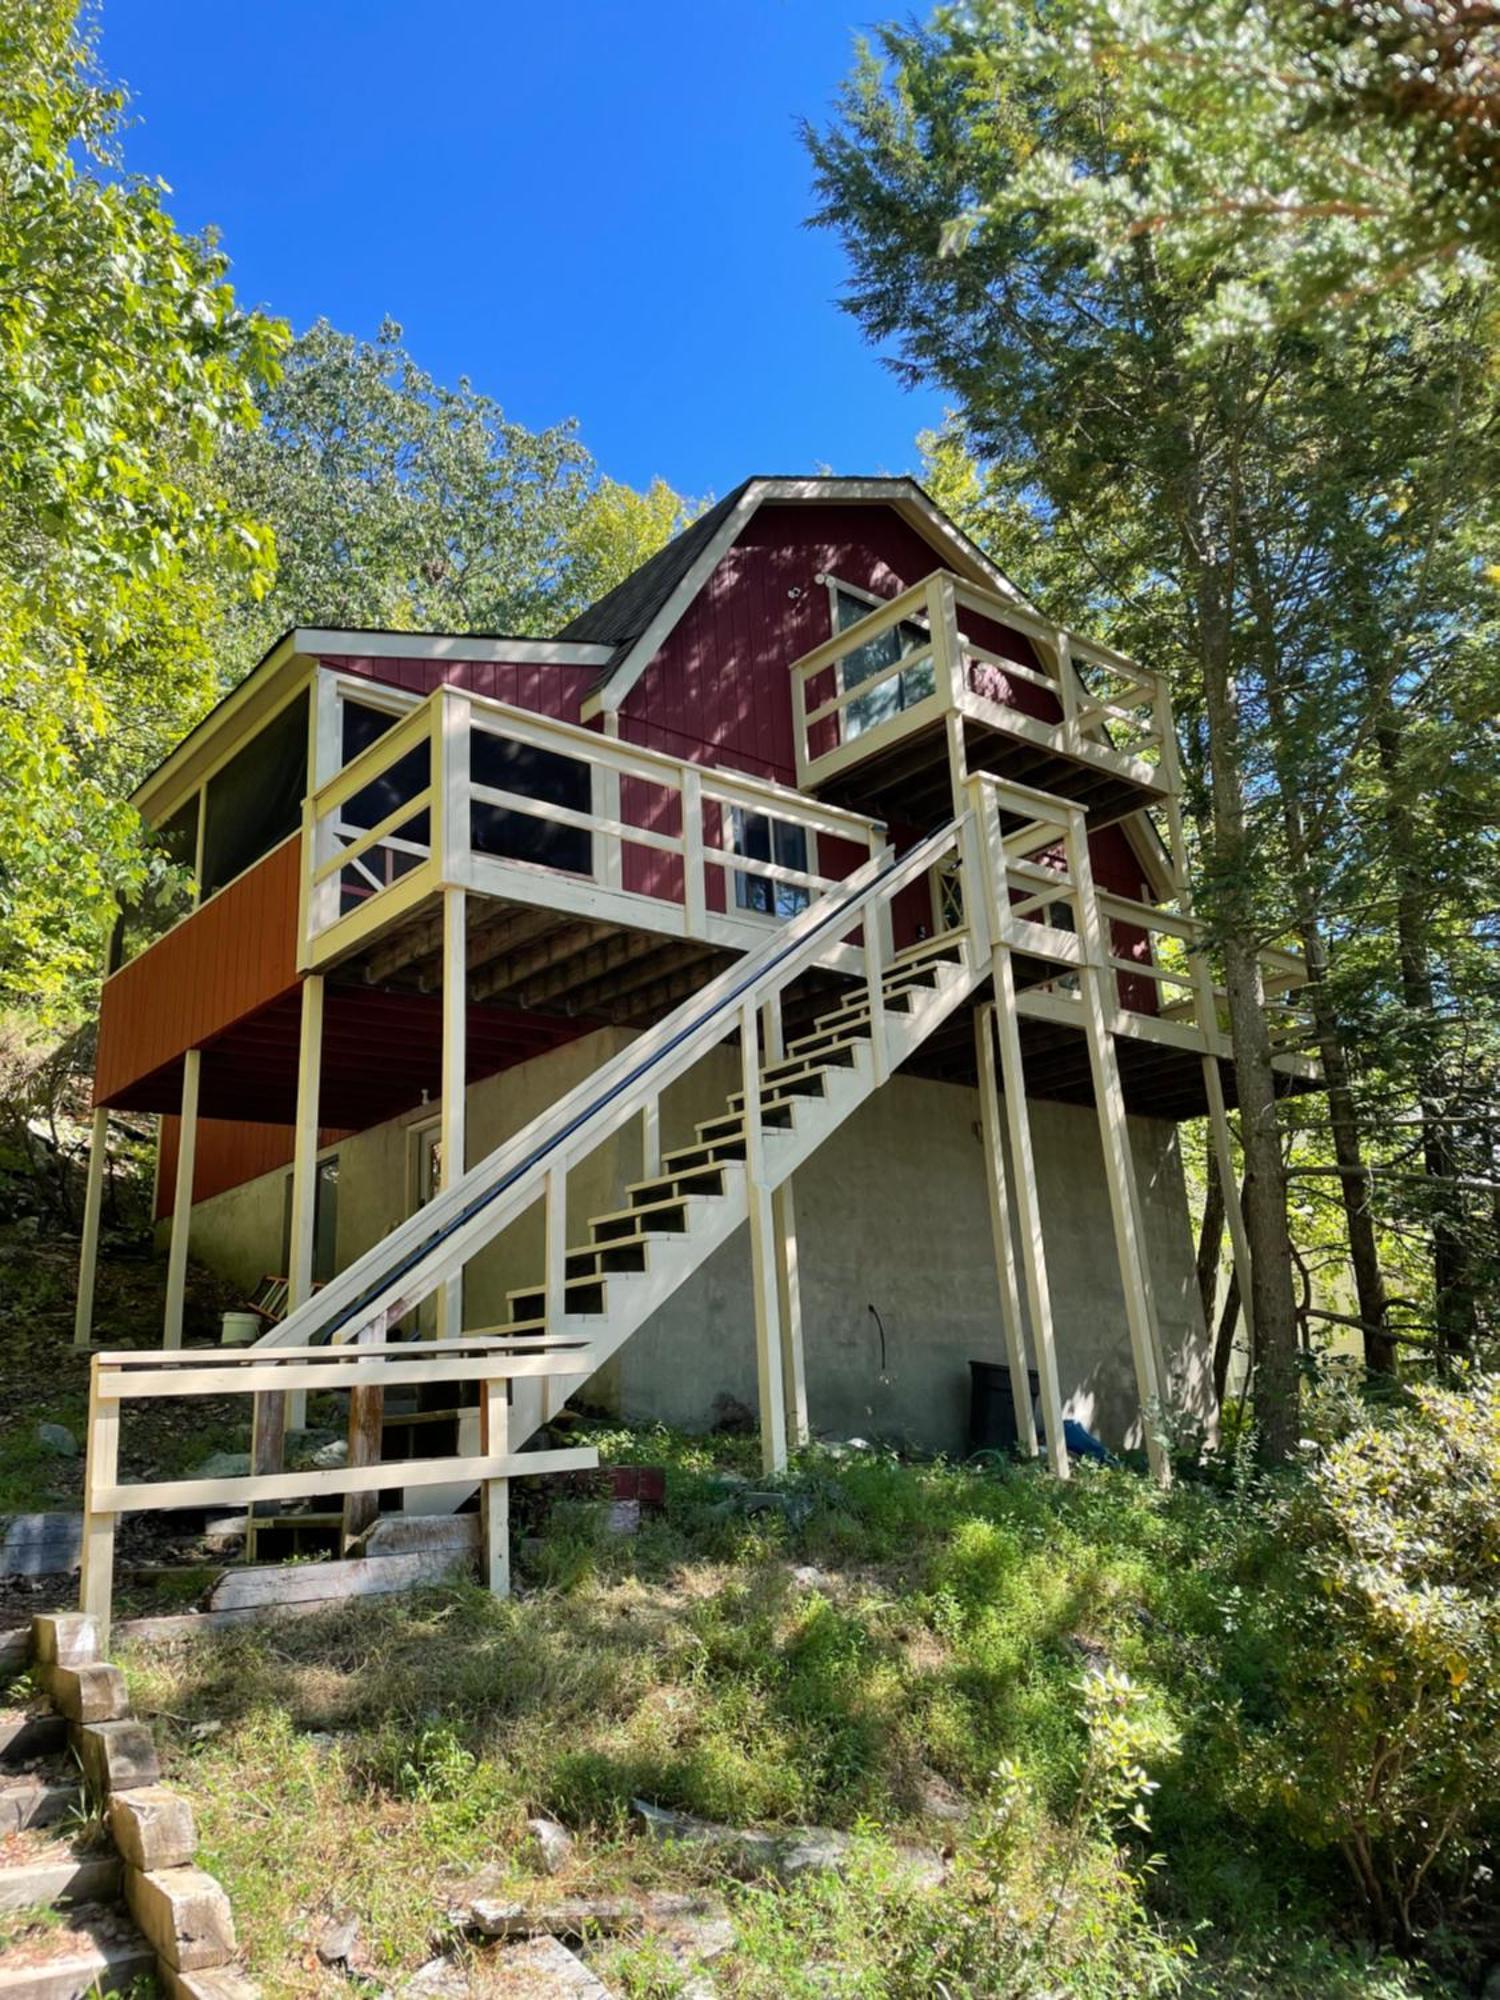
(992, 1408)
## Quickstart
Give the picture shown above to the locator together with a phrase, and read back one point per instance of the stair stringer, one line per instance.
(633, 1297)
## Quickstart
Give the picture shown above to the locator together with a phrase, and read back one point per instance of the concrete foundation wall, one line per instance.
(890, 1214)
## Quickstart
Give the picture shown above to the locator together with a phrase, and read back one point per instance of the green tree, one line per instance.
(1205, 481)
(397, 502)
(124, 362)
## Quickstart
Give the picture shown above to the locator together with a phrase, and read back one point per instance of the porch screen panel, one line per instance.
(513, 835)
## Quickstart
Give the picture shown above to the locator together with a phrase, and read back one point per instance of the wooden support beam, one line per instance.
(93, 1209)
(1095, 977)
(305, 1164)
(763, 1271)
(789, 1312)
(1000, 1229)
(453, 1137)
(1029, 1211)
(182, 1204)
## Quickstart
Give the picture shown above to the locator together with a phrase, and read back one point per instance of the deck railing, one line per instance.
(466, 792)
(923, 656)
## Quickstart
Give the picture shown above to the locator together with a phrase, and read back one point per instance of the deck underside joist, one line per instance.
(911, 779)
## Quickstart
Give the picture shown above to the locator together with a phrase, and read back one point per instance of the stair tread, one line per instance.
(29, 1735)
(40, 1865)
(56, 1959)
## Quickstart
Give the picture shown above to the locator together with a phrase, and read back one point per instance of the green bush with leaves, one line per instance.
(1387, 1744)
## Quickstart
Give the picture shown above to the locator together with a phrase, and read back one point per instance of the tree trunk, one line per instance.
(1273, 1310)
(1343, 1114)
(1452, 1274)
(1210, 1239)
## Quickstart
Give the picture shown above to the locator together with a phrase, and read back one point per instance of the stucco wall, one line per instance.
(891, 1213)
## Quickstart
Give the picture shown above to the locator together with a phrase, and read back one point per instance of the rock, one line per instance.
(807, 1577)
(623, 1518)
(940, 1801)
(742, 1849)
(41, 1544)
(922, 1867)
(543, 1969)
(336, 1945)
(327, 1456)
(225, 1465)
(57, 1439)
(437, 1980)
(573, 1917)
(819, 1851)
(554, 1843)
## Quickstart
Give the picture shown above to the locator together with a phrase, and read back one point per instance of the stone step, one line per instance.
(38, 1799)
(37, 1869)
(95, 1950)
(28, 1737)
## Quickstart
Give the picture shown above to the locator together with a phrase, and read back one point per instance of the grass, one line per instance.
(910, 1650)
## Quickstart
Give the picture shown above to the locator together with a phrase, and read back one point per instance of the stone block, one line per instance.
(64, 1639)
(153, 1827)
(184, 1915)
(92, 1693)
(116, 1756)
(221, 1982)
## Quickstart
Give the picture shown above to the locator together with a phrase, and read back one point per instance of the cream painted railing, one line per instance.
(1110, 710)
(648, 840)
(137, 1376)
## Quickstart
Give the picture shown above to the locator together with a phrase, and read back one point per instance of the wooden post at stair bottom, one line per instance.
(1005, 1249)
(788, 1278)
(763, 1273)
(88, 1249)
(182, 1202)
(102, 1470)
(1029, 1210)
(305, 1167)
(366, 1413)
(494, 1494)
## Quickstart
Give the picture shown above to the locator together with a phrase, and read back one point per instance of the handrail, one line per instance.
(407, 1264)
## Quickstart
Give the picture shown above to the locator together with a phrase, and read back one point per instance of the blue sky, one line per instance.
(591, 208)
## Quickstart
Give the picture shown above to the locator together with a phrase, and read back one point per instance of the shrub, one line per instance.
(1386, 1745)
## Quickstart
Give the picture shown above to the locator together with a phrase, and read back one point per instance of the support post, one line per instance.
(1029, 1209)
(1005, 1249)
(93, 1210)
(788, 1281)
(182, 1203)
(1114, 1133)
(305, 1167)
(453, 1127)
(366, 1413)
(102, 1468)
(763, 1261)
(494, 1495)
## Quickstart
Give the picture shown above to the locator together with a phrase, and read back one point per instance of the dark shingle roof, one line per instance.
(622, 614)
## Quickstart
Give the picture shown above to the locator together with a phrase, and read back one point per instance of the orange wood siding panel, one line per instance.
(229, 1153)
(235, 954)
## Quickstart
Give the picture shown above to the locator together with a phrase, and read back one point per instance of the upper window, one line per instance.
(760, 838)
(900, 691)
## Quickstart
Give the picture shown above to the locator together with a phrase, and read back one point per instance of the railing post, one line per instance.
(101, 1471)
(555, 1225)
(947, 654)
(305, 1165)
(651, 1137)
(606, 792)
(450, 761)
(366, 1415)
(694, 894)
(875, 996)
(1119, 1165)
(494, 1498)
(1067, 686)
(763, 1262)
(93, 1209)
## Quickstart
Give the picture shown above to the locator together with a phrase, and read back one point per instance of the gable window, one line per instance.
(760, 838)
(900, 691)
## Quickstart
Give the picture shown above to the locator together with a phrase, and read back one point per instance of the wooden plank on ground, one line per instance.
(328, 1582)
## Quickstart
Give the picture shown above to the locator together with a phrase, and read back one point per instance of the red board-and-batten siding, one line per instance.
(719, 691)
(548, 689)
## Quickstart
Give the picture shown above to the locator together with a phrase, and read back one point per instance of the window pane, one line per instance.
(901, 690)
